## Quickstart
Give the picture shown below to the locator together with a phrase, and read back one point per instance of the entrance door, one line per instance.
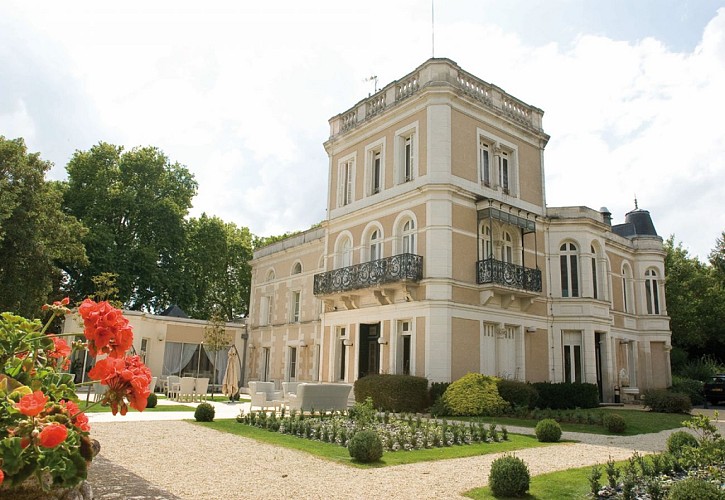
(369, 351)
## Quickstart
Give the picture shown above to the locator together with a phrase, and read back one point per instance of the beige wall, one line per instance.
(465, 347)
(420, 368)
(537, 356)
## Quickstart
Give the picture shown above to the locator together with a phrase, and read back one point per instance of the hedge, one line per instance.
(397, 393)
(565, 395)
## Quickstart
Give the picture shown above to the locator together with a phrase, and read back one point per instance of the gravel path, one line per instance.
(192, 462)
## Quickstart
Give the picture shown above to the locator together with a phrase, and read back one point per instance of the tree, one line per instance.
(216, 268)
(695, 303)
(37, 240)
(215, 339)
(717, 258)
(134, 204)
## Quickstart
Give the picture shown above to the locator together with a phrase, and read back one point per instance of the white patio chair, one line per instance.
(186, 389)
(201, 388)
(172, 386)
(152, 385)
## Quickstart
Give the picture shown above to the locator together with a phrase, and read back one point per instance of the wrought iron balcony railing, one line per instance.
(402, 267)
(507, 274)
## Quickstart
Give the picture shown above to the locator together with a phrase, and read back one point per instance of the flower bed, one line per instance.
(396, 432)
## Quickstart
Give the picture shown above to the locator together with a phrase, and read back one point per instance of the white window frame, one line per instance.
(341, 362)
(292, 364)
(295, 306)
(404, 328)
(346, 180)
(408, 236)
(265, 310)
(569, 252)
(296, 268)
(572, 339)
(375, 245)
(343, 253)
(507, 248)
(402, 135)
(652, 292)
(595, 274)
(371, 150)
(500, 152)
(486, 247)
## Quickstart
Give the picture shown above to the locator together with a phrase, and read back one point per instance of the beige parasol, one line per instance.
(230, 386)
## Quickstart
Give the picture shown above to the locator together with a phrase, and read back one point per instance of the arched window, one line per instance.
(375, 247)
(270, 275)
(569, 262)
(408, 237)
(297, 268)
(651, 290)
(595, 280)
(627, 289)
(343, 257)
(507, 249)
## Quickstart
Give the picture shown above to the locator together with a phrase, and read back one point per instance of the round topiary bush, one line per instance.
(204, 413)
(678, 440)
(614, 422)
(151, 401)
(695, 489)
(474, 394)
(509, 477)
(548, 431)
(365, 446)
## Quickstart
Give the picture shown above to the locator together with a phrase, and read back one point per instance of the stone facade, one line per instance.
(440, 257)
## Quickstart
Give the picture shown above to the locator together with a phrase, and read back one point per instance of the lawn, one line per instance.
(570, 483)
(340, 454)
(638, 422)
(106, 409)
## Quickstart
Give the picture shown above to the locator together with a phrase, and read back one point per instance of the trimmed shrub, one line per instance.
(548, 431)
(151, 401)
(679, 440)
(474, 394)
(204, 413)
(689, 386)
(365, 446)
(436, 390)
(439, 408)
(614, 422)
(664, 401)
(518, 394)
(694, 488)
(565, 395)
(397, 393)
(509, 477)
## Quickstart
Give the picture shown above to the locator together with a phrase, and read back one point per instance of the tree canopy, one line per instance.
(133, 203)
(37, 239)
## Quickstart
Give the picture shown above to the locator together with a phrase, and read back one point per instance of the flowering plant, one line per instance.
(43, 432)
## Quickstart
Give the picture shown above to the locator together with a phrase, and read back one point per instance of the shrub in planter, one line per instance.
(518, 394)
(204, 413)
(565, 395)
(614, 422)
(548, 431)
(695, 489)
(151, 401)
(509, 477)
(474, 394)
(398, 393)
(664, 401)
(679, 440)
(365, 446)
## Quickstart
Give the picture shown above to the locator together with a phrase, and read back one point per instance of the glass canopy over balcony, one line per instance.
(511, 275)
(402, 267)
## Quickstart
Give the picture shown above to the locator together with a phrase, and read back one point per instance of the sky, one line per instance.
(241, 93)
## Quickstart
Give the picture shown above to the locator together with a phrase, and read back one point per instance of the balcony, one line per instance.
(403, 267)
(497, 272)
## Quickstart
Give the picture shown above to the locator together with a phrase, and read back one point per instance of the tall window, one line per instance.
(405, 347)
(484, 161)
(408, 237)
(595, 284)
(486, 249)
(343, 352)
(572, 357)
(292, 363)
(507, 250)
(652, 291)
(375, 246)
(144, 349)
(266, 363)
(408, 157)
(346, 182)
(376, 170)
(265, 310)
(569, 270)
(295, 307)
(503, 162)
(344, 253)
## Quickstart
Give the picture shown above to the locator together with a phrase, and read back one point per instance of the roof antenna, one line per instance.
(374, 79)
(636, 207)
(432, 29)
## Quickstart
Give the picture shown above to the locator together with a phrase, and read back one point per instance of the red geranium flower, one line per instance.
(32, 404)
(79, 419)
(127, 379)
(105, 328)
(52, 435)
(61, 351)
(58, 307)
(2, 476)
